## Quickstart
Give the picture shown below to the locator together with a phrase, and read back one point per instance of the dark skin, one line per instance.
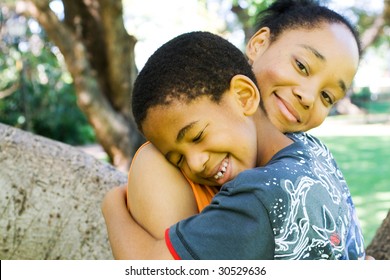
(240, 110)
(281, 66)
(131, 241)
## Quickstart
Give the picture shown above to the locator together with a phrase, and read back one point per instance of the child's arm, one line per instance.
(158, 194)
(127, 239)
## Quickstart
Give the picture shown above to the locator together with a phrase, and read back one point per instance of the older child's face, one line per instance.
(303, 73)
(210, 142)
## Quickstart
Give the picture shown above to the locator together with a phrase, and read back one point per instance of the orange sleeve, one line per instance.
(203, 194)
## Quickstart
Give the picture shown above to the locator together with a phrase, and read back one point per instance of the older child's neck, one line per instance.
(269, 141)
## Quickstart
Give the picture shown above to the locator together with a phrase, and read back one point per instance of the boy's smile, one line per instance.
(211, 142)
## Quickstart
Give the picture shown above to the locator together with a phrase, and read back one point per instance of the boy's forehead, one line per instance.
(159, 126)
(165, 124)
(165, 120)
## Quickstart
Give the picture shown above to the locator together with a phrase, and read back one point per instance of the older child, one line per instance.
(197, 101)
(304, 57)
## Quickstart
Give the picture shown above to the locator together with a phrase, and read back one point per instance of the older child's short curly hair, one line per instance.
(189, 66)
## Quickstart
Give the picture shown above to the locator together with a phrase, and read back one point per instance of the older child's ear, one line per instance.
(247, 94)
(258, 43)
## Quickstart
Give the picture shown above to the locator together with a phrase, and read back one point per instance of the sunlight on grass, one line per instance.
(365, 163)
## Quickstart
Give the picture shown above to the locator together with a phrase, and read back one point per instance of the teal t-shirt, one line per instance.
(297, 207)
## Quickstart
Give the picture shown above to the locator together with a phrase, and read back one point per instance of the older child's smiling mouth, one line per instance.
(287, 110)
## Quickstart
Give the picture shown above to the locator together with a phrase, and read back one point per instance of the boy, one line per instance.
(197, 101)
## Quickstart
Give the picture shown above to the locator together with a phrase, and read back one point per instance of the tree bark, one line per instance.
(50, 196)
(379, 247)
(99, 54)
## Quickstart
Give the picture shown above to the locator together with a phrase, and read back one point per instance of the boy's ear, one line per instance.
(258, 43)
(247, 94)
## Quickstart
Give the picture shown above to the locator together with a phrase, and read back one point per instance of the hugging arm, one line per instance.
(226, 230)
(158, 194)
(128, 240)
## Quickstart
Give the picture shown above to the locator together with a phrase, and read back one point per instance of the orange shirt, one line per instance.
(202, 193)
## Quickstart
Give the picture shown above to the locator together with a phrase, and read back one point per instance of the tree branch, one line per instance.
(373, 33)
(7, 92)
(110, 125)
(120, 49)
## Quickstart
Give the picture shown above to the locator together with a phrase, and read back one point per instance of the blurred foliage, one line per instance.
(372, 102)
(246, 11)
(40, 94)
(363, 17)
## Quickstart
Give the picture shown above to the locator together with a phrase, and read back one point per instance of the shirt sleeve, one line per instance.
(234, 226)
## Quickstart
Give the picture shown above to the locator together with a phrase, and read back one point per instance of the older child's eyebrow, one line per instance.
(342, 86)
(315, 52)
(322, 58)
(182, 132)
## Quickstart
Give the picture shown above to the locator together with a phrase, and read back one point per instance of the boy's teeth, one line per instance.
(218, 175)
(222, 172)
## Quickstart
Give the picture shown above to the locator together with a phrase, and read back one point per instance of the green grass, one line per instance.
(365, 163)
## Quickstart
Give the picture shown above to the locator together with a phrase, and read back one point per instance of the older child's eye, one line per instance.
(302, 67)
(327, 98)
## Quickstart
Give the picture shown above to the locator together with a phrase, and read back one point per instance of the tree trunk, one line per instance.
(379, 248)
(50, 196)
(99, 54)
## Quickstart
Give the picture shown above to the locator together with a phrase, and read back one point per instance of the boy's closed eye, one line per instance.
(199, 136)
(196, 139)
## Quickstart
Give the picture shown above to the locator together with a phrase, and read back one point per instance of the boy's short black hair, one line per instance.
(284, 15)
(189, 66)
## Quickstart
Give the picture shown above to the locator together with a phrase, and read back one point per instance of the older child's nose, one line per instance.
(305, 97)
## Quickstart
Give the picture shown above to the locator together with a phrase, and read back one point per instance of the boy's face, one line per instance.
(303, 73)
(210, 142)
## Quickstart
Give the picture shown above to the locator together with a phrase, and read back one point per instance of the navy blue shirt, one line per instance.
(296, 207)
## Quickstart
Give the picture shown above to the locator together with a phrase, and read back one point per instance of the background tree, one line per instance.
(99, 55)
(50, 196)
(373, 26)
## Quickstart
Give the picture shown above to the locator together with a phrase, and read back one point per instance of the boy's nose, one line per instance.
(305, 97)
(197, 162)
